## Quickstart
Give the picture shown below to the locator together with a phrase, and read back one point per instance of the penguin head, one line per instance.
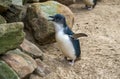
(59, 19)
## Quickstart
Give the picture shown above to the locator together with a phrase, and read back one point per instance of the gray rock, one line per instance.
(17, 2)
(42, 69)
(31, 49)
(6, 72)
(11, 36)
(34, 76)
(22, 63)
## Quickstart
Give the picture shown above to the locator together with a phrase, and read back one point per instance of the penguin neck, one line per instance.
(58, 27)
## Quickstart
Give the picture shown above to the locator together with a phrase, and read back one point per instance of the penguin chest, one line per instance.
(65, 45)
(88, 2)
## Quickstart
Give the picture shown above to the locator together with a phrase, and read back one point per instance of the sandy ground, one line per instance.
(100, 57)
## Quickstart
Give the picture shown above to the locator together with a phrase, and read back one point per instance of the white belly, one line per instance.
(65, 45)
(88, 2)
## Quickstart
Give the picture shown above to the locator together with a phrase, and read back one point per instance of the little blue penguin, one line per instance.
(69, 45)
(90, 4)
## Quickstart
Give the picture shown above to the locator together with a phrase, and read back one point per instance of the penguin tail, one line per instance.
(77, 59)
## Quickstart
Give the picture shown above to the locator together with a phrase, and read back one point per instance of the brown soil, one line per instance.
(100, 57)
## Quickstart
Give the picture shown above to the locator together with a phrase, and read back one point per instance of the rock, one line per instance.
(34, 76)
(20, 62)
(2, 20)
(42, 69)
(31, 49)
(6, 72)
(37, 20)
(17, 2)
(11, 36)
(30, 1)
(4, 5)
(66, 2)
(15, 13)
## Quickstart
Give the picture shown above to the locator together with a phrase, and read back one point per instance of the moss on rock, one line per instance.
(11, 36)
(6, 72)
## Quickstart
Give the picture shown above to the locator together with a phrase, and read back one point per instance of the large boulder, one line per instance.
(22, 63)
(2, 20)
(4, 5)
(11, 36)
(6, 72)
(37, 20)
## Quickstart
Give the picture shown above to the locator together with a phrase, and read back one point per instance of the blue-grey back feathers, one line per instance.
(76, 46)
(75, 42)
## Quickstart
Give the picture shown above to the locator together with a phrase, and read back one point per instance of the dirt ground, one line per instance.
(100, 57)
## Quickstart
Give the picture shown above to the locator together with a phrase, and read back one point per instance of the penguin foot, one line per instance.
(72, 62)
(89, 8)
(83, 7)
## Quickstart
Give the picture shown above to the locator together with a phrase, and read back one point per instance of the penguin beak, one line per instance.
(51, 18)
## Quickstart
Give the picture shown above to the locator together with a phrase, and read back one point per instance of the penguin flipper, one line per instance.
(77, 35)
